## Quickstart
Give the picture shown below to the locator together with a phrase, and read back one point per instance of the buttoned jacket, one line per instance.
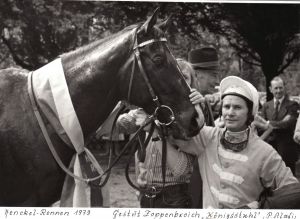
(235, 179)
(282, 136)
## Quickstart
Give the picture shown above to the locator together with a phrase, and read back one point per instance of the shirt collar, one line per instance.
(280, 100)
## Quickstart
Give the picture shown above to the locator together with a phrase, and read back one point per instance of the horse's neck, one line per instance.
(92, 78)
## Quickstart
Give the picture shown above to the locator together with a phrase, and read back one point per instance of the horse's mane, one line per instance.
(101, 42)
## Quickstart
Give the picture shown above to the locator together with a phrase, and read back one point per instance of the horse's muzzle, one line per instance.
(197, 123)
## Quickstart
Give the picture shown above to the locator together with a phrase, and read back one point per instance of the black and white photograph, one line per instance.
(144, 104)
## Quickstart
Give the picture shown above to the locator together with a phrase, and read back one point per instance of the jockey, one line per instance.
(235, 164)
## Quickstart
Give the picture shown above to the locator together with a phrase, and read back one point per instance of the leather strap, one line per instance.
(164, 155)
(141, 150)
(138, 58)
(209, 115)
(150, 42)
(47, 137)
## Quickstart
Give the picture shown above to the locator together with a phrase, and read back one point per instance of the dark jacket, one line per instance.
(282, 136)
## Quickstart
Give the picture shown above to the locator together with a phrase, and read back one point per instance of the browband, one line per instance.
(149, 42)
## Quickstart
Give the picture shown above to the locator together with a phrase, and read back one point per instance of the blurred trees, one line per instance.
(37, 31)
(263, 35)
(249, 37)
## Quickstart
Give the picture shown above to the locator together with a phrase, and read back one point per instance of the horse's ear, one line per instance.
(151, 21)
(165, 24)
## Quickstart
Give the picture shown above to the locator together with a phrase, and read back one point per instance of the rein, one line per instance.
(45, 132)
(155, 117)
(53, 151)
(161, 124)
(159, 107)
(151, 120)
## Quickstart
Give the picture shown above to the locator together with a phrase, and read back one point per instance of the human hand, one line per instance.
(212, 99)
(126, 123)
(140, 116)
(260, 122)
(196, 97)
(273, 124)
(220, 122)
(141, 179)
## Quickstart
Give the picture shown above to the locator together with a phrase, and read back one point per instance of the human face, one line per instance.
(187, 75)
(235, 113)
(277, 89)
(207, 80)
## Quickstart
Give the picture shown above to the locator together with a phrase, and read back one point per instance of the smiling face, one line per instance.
(277, 88)
(235, 113)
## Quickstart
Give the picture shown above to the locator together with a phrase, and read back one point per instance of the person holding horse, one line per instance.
(205, 62)
(235, 164)
(156, 192)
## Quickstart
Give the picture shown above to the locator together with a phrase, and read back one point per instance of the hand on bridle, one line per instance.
(127, 123)
(212, 99)
(199, 102)
(196, 97)
(141, 178)
(140, 116)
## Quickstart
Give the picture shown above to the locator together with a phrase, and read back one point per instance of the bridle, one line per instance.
(137, 57)
(154, 119)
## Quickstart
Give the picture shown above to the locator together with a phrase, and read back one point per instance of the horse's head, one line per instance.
(154, 72)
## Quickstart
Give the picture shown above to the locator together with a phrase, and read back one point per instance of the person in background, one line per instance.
(235, 164)
(205, 62)
(106, 137)
(281, 114)
(174, 192)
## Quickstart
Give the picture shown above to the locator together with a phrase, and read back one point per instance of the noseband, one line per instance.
(157, 116)
(160, 108)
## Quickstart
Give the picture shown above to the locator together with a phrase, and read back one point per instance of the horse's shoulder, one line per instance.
(11, 76)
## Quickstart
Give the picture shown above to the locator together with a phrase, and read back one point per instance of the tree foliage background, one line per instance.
(255, 41)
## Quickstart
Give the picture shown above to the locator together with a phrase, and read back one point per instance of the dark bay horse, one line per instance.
(98, 76)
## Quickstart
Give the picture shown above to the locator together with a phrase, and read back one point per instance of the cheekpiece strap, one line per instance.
(150, 42)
